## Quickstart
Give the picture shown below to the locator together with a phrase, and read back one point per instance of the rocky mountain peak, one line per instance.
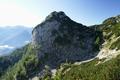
(57, 16)
(60, 39)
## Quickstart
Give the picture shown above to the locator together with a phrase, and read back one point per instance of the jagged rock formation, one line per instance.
(64, 40)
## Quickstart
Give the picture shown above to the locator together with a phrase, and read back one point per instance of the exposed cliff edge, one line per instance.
(61, 39)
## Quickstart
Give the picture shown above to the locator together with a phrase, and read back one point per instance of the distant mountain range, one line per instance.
(12, 37)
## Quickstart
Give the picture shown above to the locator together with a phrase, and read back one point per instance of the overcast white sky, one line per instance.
(32, 12)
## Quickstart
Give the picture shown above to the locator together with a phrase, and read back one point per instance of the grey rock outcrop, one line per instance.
(61, 39)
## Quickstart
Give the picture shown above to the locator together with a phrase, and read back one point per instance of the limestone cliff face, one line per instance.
(62, 39)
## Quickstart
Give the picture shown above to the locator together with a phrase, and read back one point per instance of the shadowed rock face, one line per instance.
(60, 39)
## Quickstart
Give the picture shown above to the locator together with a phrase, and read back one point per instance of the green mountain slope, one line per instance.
(24, 68)
(93, 70)
(9, 60)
